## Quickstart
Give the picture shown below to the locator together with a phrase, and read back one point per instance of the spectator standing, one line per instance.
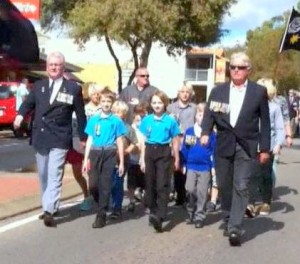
(293, 104)
(184, 112)
(21, 93)
(54, 99)
(240, 111)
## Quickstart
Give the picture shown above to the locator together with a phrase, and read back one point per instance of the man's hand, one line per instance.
(263, 157)
(204, 140)
(18, 121)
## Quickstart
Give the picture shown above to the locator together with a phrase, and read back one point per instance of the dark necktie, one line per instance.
(51, 88)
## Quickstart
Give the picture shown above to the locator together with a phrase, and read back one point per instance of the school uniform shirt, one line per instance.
(159, 130)
(105, 129)
(197, 157)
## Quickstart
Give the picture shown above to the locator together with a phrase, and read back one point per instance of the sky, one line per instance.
(244, 15)
(249, 14)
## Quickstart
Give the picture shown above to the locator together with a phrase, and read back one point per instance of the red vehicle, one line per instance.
(8, 110)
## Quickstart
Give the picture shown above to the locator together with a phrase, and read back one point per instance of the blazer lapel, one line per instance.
(226, 101)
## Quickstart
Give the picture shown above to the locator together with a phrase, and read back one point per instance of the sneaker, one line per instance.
(86, 204)
(210, 207)
(115, 215)
(265, 209)
(250, 211)
(131, 207)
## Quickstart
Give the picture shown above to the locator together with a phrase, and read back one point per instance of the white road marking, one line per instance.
(11, 145)
(33, 218)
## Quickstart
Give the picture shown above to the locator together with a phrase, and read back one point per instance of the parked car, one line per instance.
(8, 110)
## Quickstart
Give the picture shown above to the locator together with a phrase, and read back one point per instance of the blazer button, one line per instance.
(43, 118)
(42, 129)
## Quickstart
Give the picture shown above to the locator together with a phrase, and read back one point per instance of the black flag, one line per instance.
(291, 37)
(18, 38)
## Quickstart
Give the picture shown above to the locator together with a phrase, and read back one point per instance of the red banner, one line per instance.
(29, 8)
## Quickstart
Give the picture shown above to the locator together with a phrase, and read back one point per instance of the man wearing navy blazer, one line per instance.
(53, 100)
(239, 110)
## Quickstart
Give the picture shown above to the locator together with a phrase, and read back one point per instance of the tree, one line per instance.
(175, 24)
(263, 48)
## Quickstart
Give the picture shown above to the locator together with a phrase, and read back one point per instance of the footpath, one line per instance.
(20, 191)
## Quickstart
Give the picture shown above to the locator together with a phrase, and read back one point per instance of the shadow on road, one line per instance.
(259, 226)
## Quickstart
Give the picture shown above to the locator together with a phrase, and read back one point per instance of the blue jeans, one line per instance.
(117, 191)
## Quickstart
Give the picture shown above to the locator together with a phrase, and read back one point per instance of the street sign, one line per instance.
(29, 8)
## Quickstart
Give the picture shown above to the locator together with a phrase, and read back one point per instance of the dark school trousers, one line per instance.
(103, 162)
(158, 161)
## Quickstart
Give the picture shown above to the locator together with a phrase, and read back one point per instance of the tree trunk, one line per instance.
(145, 53)
(112, 52)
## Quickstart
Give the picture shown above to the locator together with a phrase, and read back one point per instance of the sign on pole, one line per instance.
(29, 8)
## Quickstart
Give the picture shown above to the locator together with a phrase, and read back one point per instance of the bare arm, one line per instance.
(120, 146)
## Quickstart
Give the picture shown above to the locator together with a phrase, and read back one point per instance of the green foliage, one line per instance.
(263, 49)
(176, 24)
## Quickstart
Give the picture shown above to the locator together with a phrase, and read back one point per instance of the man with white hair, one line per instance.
(53, 100)
(239, 110)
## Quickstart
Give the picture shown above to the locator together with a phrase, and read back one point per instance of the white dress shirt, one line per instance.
(57, 85)
(236, 99)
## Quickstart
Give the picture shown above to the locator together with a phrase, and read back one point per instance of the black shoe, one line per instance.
(100, 221)
(49, 220)
(210, 207)
(155, 222)
(199, 224)
(115, 215)
(189, 221)
(131, 207)
(234, 238)
(41, 216)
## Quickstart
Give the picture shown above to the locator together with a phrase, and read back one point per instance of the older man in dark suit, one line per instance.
(240, 111)
(53, 100)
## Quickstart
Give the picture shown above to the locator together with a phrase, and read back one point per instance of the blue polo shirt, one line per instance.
(159, 130)
(105, 130)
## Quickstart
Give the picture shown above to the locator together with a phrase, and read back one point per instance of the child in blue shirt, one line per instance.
(198, 161)
(105, 136)
(159, 130)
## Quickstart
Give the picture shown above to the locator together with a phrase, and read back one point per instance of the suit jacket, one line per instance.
(252, 129)
(52, 123)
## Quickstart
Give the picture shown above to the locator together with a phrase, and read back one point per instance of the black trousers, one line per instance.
(103, 162)
(158, 161)
(179, 186)
(233, 176)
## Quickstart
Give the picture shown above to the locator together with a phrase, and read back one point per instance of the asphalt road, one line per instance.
(15, 154)
(272, 239)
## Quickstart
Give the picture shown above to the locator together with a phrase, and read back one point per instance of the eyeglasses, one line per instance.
(144, 75)
(236, 67)
(55, 64)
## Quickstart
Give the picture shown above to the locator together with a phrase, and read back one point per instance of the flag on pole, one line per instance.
(291, 37)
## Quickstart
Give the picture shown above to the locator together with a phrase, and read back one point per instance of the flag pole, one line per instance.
(286, 28)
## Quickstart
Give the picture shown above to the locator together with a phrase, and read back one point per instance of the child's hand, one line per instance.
(86, 166)
(142, 165)
(121, 170)
(176, 164)
(276, 150)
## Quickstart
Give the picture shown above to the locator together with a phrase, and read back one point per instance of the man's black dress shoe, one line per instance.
(100, 221)
(155, 222)
(234, 238)
(49, 220)
(41, 216)
(199, 224)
